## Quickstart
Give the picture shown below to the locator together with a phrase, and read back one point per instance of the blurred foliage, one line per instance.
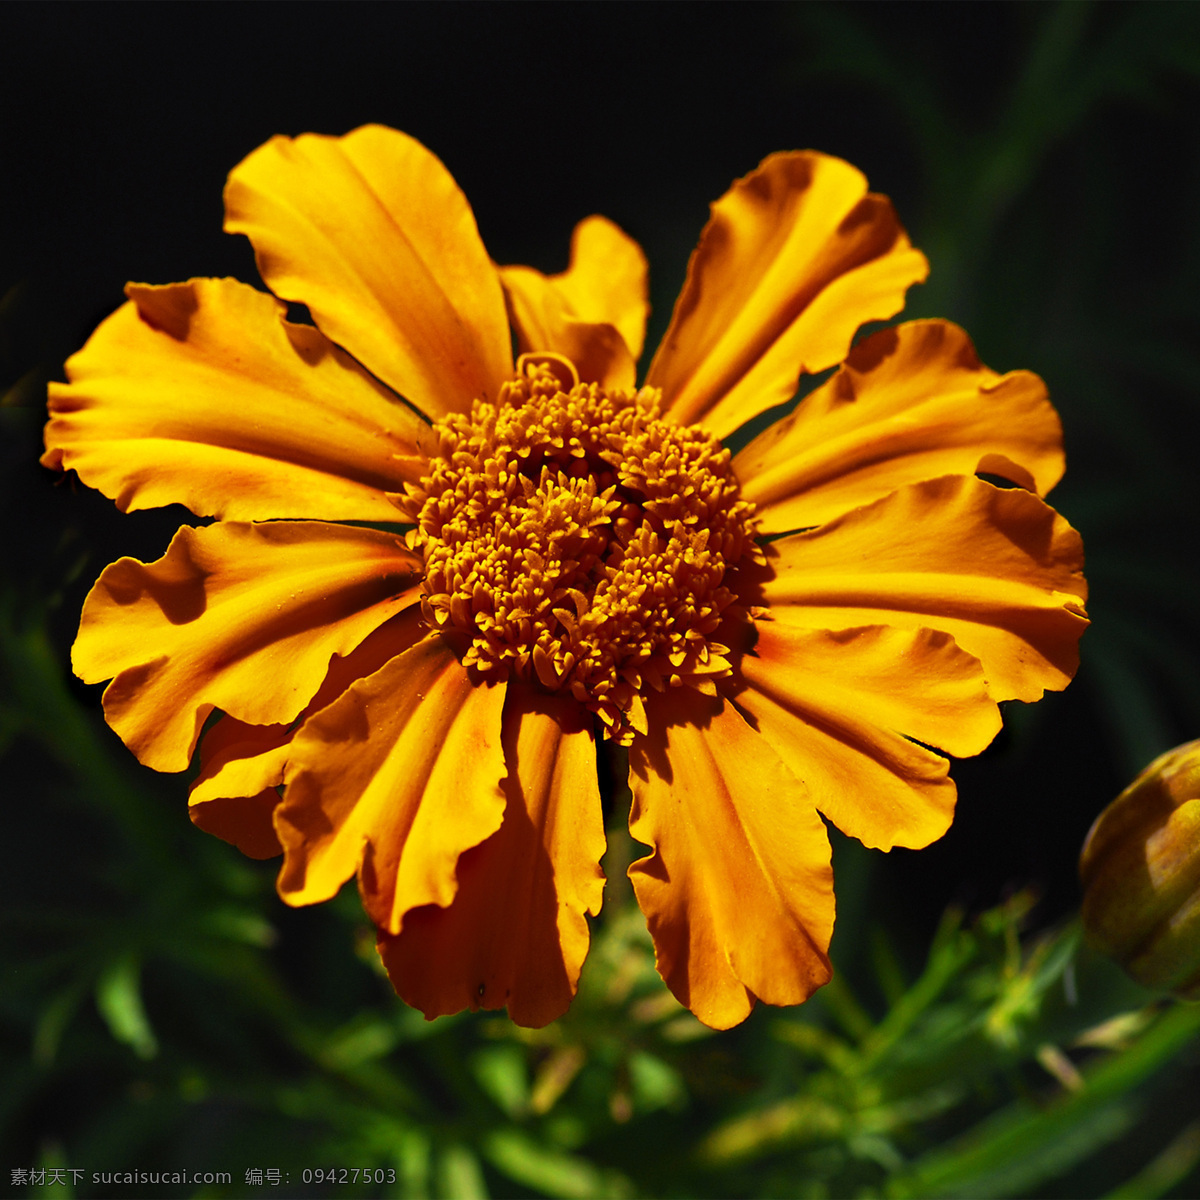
(160, 1009)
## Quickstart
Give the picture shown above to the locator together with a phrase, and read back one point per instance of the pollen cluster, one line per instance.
(574, 537)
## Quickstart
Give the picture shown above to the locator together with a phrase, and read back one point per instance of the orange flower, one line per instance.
(774, 636)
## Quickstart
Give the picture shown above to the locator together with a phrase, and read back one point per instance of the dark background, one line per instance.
(1062, 227)
(1046, 157)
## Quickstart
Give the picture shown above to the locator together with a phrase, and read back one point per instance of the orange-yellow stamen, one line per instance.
(577, 538)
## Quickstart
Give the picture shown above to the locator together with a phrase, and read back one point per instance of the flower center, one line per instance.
(573, 536)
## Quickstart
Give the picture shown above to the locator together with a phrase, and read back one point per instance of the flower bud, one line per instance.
(1140, 869)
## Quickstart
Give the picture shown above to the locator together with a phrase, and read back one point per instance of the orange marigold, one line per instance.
(776, 636)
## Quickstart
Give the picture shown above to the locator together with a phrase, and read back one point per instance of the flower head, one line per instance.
(1140, 868)
(575, 538)
(437, 576)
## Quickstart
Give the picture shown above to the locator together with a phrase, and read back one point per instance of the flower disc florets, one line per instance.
(574, 536)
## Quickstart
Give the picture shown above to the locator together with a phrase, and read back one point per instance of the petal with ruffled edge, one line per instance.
(394, 780)
(234, 794)
(371, 232)
(738, 891)
(910, 403)
(228, 607)
(997, 569)
(199, 393)
(594, 313)
(839, 708)
(796, 256)
(516, 933)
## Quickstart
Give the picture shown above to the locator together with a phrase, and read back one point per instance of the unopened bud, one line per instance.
(1140, 869)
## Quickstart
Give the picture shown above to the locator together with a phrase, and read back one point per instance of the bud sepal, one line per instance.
(1140, 869)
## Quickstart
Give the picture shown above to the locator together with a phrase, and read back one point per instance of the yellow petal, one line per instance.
(607, 280)
(594, 312)
(371, 232)
(395, 779)
(796, 256)
(244, 618)
(544, 321)
(516, 933)
(997, 569)
(234, 794)
(738, 891)
(910, 403)
(199, 393)
(834, 706)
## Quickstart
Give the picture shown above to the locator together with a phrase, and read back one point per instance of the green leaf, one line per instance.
(460, 1176)
(53, 1022)
(411, 1153)
(798, 1120)
(119, 999)
(363, 1039)
(656, 1084)
(501, 1072)
(952, 950)
(1023, 1145)
(550, 1171)
(1166, 1171)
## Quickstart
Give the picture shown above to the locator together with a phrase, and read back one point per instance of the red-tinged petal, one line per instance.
(199, 393)
(395, 779)
(839, 708)
(738, 891)
(371, 232)
(516, 933)
(910, 403)
(796, 256)
(235, 794)
(594, 313)
(997, 569)
(244, 618)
